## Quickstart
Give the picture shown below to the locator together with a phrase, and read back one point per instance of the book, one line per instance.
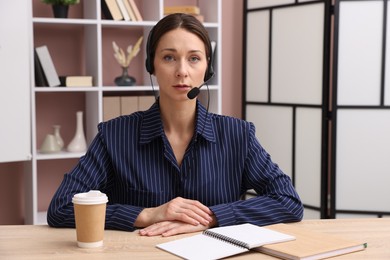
(129, 10)
(40, 79)
(113, 9)
(136, 11)
(123, 10)
(105, 11)
(220, 242)
(48, 66)
(187, 9)
(76, 81)
(310, 244)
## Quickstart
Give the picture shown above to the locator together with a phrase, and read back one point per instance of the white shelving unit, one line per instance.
(96, 59)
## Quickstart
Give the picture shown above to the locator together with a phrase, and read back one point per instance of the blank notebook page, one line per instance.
(210, 245)
(201, 247)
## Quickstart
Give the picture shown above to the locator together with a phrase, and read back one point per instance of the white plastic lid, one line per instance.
(90, 198)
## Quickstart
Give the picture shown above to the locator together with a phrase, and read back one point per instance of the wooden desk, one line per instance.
(43, 242)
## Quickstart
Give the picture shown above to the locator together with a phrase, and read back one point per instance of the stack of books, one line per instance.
(46, 74)
(186, 9)
(76, 81)
(121, 10)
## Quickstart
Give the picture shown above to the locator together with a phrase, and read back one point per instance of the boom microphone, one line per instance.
(194, 92)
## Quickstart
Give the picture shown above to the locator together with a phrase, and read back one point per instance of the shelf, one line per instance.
(37, 20)
(111, 23)
(58, 155)
(66, 89)
(83, 46)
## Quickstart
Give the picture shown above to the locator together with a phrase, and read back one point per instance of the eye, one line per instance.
(168, 58)
(194, 59)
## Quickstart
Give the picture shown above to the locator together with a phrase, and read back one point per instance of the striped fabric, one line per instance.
(132, 161)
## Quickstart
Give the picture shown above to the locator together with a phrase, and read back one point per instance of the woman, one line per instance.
(176, 168)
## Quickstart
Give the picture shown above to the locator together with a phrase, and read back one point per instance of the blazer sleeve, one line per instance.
(277, 201)
(91, 173)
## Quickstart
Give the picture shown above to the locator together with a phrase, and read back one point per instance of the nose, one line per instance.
(182, 69)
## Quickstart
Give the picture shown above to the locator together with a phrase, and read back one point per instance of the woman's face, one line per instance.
(180, 63)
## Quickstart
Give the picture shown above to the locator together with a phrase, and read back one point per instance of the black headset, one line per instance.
(149, 59)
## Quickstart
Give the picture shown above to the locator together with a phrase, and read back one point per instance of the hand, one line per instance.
(170, 228)
(179, 209)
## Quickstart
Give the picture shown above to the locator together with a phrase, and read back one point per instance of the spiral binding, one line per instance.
(226, 239)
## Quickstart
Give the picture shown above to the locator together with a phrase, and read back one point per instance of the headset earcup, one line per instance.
(149, 59)
(209, 72)
(148, 65)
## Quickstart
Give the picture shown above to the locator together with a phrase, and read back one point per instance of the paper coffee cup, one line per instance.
(90, 216)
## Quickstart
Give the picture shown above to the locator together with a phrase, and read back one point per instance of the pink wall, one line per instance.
(11, 174)
(232, 22)
(11, 193)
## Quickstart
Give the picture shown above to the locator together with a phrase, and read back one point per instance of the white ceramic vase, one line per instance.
(50, 145)
(78, 143)
(60, 141)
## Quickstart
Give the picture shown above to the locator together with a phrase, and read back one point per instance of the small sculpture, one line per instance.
(124, 61)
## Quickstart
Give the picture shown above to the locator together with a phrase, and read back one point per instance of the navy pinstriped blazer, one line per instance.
(131, 160)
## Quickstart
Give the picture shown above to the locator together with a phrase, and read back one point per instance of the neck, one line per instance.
(178, 116)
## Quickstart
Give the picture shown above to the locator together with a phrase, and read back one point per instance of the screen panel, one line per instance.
(363, 152)
(361, 125)
(267, 3)
(311, 214)
(272, 104)
(308, 155)
(297, 54)
(387, 68)
(257, 56)
(360, 52)
(341, 215)
(274, 130)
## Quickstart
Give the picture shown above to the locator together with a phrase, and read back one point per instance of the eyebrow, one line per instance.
(174, 50)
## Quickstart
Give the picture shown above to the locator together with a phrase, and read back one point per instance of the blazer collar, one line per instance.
(151, 125)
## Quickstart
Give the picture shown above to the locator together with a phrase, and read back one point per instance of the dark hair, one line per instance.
(171, 22)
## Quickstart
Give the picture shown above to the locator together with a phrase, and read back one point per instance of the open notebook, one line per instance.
(220, 242)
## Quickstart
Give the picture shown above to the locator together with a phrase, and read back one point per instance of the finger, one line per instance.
(198, 205)
(198, 211)
(158, 228)
(182, 228)
(202, 207)
(202, 211)
(189, 211)
(191, 216)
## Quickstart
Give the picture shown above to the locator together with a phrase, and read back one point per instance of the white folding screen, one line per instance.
(338, 148)
(361, 110)
(308, 154)
(297, 54)
(387, 68)
(257, 58)
(274, 135)
(360, 52)
(285, 90)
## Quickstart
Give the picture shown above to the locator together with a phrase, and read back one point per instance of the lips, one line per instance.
(182, 86)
